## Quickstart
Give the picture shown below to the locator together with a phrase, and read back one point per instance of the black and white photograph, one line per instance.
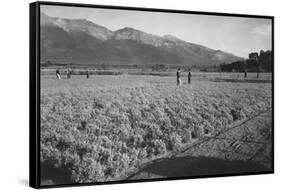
(133, 95)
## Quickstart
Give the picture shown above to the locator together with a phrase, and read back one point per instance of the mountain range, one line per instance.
(81, 41)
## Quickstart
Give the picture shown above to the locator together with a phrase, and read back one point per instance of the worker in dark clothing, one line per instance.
(87, 74)
(189, 77)
(178, 77)
(58, 74)
(245, 74)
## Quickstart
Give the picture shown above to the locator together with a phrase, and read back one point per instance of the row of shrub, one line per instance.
(97, 134)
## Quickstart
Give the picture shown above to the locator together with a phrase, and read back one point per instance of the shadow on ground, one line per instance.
(51, 175)
(194, 166)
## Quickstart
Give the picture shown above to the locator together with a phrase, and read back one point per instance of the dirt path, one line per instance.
(244, 147)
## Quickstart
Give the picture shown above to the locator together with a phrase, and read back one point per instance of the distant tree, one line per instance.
(255, 57)
(265, 60)
(226, 67)
(47, 63)
(159, 67)
(255, 63)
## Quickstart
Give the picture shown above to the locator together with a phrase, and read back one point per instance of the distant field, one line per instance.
(198, 75)
(100, 128)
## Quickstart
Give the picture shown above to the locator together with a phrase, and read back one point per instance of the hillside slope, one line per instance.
(83, 42)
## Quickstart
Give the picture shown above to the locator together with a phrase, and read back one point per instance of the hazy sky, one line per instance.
(231, 34)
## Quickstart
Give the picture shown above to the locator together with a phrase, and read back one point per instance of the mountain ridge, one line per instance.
(82, 41)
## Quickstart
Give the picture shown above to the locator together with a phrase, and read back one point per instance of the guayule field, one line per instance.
(106, 127)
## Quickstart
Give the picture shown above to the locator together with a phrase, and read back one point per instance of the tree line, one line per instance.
(256, 62)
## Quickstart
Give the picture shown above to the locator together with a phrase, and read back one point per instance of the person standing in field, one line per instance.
(245, 74)
(178, 77)
(68, 73)
(87, 74)
(58, 74)
(189, 77)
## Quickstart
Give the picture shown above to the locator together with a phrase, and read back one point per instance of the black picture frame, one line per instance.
(34, 91)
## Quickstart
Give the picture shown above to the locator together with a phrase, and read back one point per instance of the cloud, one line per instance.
(262, 30)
